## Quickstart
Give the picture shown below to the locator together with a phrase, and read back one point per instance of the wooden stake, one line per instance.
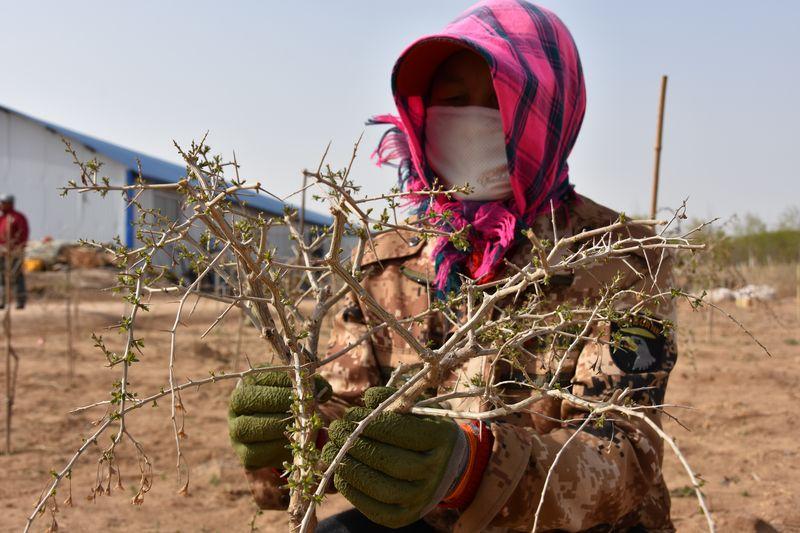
(239, 333)
(75, 295)
(70, 348)
(657, 168)
(710, 324)
(11, 355)
(797, 289)
(7, 331)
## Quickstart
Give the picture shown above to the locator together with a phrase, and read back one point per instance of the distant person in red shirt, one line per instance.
(13, 238)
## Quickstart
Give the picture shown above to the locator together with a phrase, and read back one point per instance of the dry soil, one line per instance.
(741, 434)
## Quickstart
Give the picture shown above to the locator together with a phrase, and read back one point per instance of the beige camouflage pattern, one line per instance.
(609, 478)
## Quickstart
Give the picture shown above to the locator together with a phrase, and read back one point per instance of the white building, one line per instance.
(34, 165)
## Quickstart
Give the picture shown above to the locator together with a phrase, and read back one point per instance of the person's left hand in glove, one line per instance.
(404, 465)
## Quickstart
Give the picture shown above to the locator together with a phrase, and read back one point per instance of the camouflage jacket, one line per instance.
(609, 478)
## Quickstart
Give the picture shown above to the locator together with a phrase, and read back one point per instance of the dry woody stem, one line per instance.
(286, 300)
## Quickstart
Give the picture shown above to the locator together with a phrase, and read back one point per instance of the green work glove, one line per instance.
(401, 466)
(259, 415)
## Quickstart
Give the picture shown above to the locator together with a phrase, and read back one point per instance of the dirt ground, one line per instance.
(742, 437)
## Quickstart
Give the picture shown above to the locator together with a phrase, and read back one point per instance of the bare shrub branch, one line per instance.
(286, 299)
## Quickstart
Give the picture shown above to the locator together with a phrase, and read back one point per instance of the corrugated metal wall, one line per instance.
(33, 165)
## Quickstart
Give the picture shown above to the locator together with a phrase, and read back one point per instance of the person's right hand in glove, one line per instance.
(259, 413)
(404, 465)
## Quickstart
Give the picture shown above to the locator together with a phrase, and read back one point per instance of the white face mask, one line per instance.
(466, 145)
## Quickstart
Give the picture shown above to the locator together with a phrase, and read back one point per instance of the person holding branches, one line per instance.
(492, 105)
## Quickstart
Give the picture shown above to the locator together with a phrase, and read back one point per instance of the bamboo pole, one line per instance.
(657, 166)
(303, 209)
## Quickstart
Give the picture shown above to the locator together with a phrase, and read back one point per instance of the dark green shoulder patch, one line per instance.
(414, 275)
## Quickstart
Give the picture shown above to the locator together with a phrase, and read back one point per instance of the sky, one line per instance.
(276, 81)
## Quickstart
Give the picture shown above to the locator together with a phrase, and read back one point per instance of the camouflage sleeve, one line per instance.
(610, 474)
(355, 370)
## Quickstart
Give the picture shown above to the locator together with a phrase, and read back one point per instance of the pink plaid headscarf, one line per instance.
(537, 76)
